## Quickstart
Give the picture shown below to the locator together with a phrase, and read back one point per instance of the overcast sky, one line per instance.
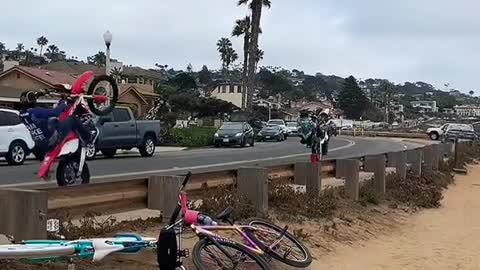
(436, 41)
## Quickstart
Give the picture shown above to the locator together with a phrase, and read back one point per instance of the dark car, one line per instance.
(234, 133)
(269, 133)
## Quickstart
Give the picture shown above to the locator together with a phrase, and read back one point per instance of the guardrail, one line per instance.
(24, 212)
(365, 133)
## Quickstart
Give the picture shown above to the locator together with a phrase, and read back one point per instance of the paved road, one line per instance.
(202, 159)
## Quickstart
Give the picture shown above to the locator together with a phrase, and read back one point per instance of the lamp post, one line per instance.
(107, 37)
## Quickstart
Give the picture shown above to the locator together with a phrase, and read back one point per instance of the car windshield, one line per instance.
(276, 122)
(461, 127)
(291, 124)
(232, 126)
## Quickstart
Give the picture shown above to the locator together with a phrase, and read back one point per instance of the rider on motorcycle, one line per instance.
(45, 132)
(306, 126)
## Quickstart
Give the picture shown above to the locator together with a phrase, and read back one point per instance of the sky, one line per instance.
(435, 41)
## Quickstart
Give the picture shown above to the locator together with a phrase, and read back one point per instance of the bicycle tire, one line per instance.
(305, 262)
(113, 99)
(200, 265)
(23, 251)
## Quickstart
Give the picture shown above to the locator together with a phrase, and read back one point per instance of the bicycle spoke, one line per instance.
(214, 258)
(285, 247)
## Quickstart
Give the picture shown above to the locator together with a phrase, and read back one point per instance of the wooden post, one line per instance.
(23, 213)
(414, 158)
(300, 173)
(163, 194)
(252, 183)
(437, 156)
(352, 167)
(376, 164)
(428, 157)
(314, 178)
(398, 160)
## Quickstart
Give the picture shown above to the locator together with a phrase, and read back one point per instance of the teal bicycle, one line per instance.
(95, 248)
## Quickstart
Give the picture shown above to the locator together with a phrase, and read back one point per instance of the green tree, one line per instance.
(52, 52)
(388, 89)
(117, 73)
(471, 92)
(256, 7)
(352, 99)
(258, 57)
(20, 47)
(42, 42)
(99, 59)
(3, 48)
(242, 27)
(205, 76)
(231, 57)
(224, 45)
(189, 68)
(316, 85)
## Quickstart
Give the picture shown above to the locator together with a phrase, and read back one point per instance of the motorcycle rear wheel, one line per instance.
(113, 97)
(67, 171)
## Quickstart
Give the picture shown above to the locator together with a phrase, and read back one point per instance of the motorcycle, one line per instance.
(71, 151)
(314, 137)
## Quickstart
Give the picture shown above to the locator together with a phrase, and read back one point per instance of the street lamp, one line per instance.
(107, 37)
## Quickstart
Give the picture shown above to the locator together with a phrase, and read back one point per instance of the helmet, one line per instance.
(28, 99)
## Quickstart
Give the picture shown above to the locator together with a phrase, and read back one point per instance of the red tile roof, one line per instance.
(47, 77)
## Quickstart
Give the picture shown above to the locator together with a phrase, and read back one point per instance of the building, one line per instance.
(230, 92)
(425, 105)
(398, 110)
(468, 110)
(140, 97)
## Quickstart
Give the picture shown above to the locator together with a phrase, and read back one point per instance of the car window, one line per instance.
(3, 121)
(291, 124)
(12, 119)
(276, 122)
(461, 127)
(121, 115)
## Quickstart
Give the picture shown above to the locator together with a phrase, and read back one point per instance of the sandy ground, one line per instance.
(444, 238)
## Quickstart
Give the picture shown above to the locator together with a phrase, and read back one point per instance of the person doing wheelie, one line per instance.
(43, 126)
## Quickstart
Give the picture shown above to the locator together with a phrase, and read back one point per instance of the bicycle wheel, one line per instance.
(207, 256)
(103, 85)
(289, 250)
(23, 251)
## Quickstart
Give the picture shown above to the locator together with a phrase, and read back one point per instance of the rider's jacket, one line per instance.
(36, 120)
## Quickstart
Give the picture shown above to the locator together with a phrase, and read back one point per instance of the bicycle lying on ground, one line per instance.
(262, 241)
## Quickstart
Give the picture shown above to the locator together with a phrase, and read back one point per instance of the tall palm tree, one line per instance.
(471, 92)
(223, 45)
(20, 47)
(42, 41)
(53, 52)
(242, 27)
(256, 7)
(117, 74)
(259, 56)
(230, 57)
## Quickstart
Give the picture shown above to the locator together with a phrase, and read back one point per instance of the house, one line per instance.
(141, 97)
(230, 92)
(311, 106)
(468, 110)
(425, 105)
(18, 79)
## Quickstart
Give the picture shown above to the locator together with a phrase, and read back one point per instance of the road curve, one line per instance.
(201, 159)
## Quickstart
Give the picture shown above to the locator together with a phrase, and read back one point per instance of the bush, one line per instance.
(192, 137)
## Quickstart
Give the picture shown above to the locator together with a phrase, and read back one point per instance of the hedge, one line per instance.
(192, 137)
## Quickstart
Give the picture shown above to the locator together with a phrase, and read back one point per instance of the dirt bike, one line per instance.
(314, 138)
(71, 151)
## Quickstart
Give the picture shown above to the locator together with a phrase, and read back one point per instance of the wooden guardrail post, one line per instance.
(414, 158)
(437, 156)
(163, 193)
(23, 213)
(351, 174)
(376, 164)
(314, 178)
(448, 149)
(340, 168)
(252, 183)
(428, 157)
(398, 160)
(300, 173)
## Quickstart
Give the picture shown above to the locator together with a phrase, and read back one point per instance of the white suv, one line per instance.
(15, 140)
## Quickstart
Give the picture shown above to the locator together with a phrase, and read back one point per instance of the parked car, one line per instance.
(272, 132)
(277, 122)
(120, 130)
(234, 133)
(436, 133)
(463, 132)
(15, 140)
(292, 128)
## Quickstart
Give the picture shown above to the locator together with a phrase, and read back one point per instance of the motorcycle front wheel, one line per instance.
(103, 85)
(67, 172)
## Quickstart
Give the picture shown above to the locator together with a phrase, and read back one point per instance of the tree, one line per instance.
(42, 41)
(387, 89)
(2, 48)
(256, 7)
(316, 85)
(205, 76)
(223, 46)
(117, 73)
(20, 47)
(189, 68)
(231, 57)
(52, 52)
(99, 59)
(258, 57)
(352, 99)
(471, 92)
(242, 27)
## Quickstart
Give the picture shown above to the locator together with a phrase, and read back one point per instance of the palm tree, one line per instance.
(388, 90)
(117, 74)
(242, 27)
(471, 92)
(53, 52)
(20, 47)
(256, 7)
(259, 56)
(2, 48)
(230, 57)
(223, 45)
(42, 41)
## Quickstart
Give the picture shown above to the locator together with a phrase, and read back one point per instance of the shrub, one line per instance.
(192, 137)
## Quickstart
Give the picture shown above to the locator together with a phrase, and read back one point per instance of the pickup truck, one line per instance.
(436, 133)
(120, 130)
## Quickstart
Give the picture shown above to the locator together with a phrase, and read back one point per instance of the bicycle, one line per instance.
(262, 242)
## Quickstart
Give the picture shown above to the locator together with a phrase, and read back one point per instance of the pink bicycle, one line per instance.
(262, 241)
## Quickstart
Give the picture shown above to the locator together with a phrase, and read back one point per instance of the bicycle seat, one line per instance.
(225, 214)
(103, 248)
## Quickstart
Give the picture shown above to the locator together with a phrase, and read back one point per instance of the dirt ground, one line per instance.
(365, 238)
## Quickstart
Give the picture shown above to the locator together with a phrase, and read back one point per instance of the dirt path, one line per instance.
(444, 238)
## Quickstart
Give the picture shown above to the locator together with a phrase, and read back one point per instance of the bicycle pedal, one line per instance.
(184, 253)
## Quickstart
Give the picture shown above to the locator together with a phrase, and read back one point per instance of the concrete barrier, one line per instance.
(162, 194)
(352, 167)
(437, 156)
(314, 179)
(252, 183)
(23, 214)
(414, 159)
(300, 173)
(377, 165)
(428, 157)
(398, 160)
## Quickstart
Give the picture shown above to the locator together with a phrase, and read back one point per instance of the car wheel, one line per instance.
(109, 153)
(91, 152)
(434, 136)
(147, 149)
(17, 153)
